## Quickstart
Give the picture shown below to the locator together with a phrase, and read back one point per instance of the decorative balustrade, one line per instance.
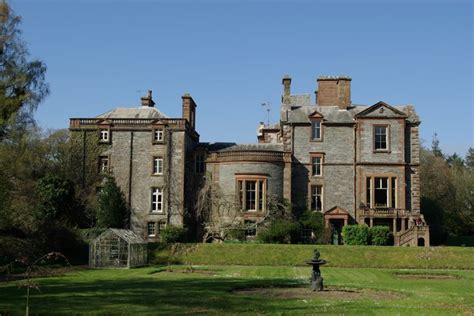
(383, 212)
(91, 122)
(246, 153)
(407, 236)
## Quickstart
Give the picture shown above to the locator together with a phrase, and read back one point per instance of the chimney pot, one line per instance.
(148, 100)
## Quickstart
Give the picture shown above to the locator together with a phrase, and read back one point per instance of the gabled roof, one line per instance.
(381, 109)
(125, 234)
(315, 114)
(336, 210)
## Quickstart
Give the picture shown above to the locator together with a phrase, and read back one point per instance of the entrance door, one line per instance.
(336, 228)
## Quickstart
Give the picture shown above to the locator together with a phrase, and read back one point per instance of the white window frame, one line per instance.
(315, 162)
(314, 194)
(316, 128)
(158, 135)
(158, 165)
(392, 190)
(157, 200)
(260, 193)
(104, 167)
(151, 229)
(104, 135)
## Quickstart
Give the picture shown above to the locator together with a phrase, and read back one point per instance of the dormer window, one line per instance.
(381, 137)
(316, 130)
(104, 136)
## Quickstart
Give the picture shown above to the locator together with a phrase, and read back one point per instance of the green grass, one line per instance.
(339, 256)
(209, 290)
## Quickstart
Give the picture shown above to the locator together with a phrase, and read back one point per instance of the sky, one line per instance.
(231, 56)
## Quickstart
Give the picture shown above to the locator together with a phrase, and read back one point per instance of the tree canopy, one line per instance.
(22, 81)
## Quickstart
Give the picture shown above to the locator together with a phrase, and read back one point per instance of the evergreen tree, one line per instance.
(470, 158)
(435, 147)
(112, 210)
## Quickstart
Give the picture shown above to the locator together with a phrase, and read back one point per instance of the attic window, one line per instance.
(381, 137)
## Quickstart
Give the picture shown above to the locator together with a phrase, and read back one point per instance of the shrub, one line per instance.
(379, 235)
(172, 234)
(355, 234)
(236, 234)
(314, 221)
(279, 231)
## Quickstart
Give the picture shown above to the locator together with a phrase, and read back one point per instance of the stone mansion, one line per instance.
(354, 163)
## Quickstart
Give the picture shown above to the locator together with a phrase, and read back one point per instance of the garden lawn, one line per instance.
(211, 290)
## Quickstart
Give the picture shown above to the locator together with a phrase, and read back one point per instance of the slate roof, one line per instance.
(333, 114)
(142, 112)
(228, 147)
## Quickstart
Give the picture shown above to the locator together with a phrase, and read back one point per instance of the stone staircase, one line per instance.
(411, 236)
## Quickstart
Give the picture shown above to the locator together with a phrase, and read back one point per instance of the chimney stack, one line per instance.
(148, 100)
(286, 81)
(189, 110)
(334, 90)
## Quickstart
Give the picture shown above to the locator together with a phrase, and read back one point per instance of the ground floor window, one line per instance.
(250, 228)
(151, 229)
(316, 197)
(381, 192)
(252, 194)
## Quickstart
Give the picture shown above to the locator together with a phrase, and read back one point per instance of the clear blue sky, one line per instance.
(231, 56)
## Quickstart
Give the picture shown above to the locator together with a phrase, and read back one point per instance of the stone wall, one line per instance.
(366, 151)
(337, 148)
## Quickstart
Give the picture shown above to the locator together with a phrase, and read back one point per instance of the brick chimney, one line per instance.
(334, 91)
(148, 100)
(189, 110)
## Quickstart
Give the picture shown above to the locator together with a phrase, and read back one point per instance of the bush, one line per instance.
(379, 235)
(172, 234)
(314, 221)
(355, 234)
(279, 231)
(236, 234)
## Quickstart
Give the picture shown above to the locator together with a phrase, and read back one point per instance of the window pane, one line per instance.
(316, 198)
(315, 129)
(368, 192)
(394, 192)
(260, 195)
(380, 137)
(316, 166)
(250, 195)
(381, 192)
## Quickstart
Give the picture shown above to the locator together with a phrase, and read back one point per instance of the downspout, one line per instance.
(84, 135)
(130, 172)
(355, 171)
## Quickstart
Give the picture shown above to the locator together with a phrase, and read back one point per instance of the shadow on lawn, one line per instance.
(130, 295)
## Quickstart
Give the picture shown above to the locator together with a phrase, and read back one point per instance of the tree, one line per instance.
(435, 146)
(56, 201)
(112, 211)
(455, 161)
(22, 82)
(470, 159)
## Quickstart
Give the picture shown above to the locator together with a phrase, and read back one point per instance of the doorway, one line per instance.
(336, 231)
